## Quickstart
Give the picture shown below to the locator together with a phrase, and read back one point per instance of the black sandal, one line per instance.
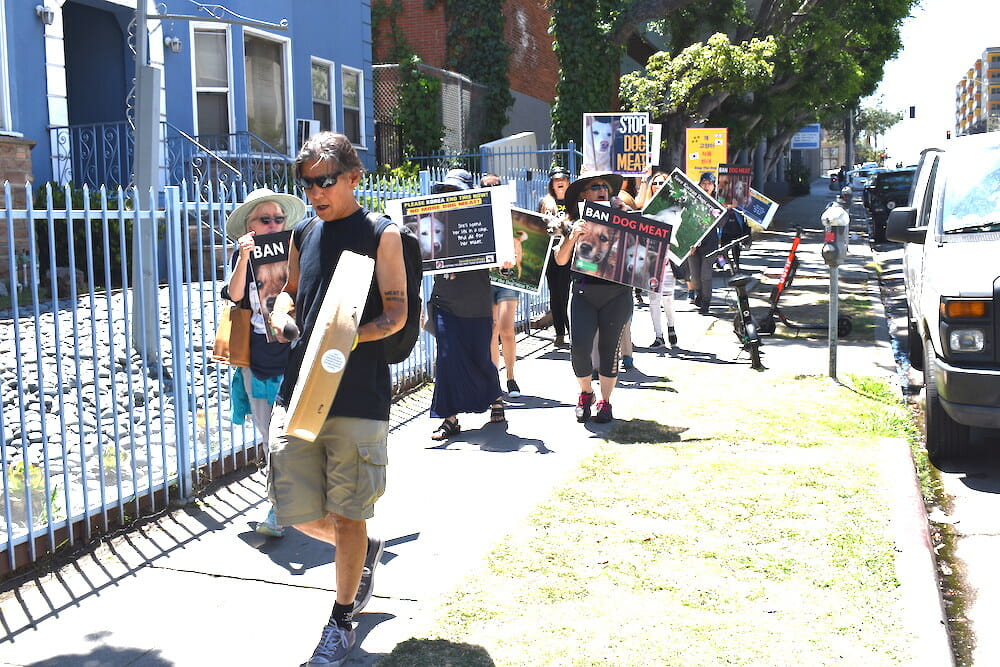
(447, 429)
(496, 413)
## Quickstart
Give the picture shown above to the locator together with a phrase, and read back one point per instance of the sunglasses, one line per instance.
(268, 220)
(600, 186)
(324, 181)
(658, 183)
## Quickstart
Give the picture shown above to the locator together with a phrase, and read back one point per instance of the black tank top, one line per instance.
(365, 391)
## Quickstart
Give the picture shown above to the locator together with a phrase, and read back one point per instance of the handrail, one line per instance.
(208, 150)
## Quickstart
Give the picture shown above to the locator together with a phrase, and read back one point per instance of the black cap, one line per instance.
(558, 171)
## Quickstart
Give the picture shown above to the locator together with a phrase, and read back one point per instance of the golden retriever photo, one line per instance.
(595, 247)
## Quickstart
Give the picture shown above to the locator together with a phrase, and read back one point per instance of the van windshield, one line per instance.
(971, 197)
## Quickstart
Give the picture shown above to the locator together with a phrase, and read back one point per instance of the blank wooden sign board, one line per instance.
(330, 345)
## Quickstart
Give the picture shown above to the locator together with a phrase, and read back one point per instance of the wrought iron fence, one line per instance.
(92, 433)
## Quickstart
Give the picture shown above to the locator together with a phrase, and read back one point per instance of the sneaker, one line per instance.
(560, 341)
(512, 389)
(692, 295)
(671, 336)
(627, 363)
(603, 412)
(269, 526)
(333, 648)
(657, 342)
(367, 585)
(583, 406)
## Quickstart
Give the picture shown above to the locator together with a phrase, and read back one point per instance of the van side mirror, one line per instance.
(901, 226)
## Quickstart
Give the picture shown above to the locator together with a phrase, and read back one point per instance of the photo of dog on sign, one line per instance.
(598, 142)
(532, 243)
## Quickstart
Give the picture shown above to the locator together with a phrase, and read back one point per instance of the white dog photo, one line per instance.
(597, 144)
(430, 231)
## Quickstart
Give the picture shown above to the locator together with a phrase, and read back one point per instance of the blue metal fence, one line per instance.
(92, 433)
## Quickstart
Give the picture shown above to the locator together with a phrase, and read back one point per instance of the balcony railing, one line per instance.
(102, 153)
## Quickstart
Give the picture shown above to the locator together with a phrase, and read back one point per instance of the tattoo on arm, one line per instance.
(394, 295)
(383, 324)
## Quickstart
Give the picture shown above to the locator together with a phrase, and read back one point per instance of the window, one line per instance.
(351, 99)
(321, 93)
(265, 81)
(211, 65)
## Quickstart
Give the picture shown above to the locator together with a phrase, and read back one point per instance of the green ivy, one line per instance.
(418, 105)
(477, 47)
(588, 63)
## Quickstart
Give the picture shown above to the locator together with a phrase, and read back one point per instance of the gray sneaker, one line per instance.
(367, 585)
(333, 648)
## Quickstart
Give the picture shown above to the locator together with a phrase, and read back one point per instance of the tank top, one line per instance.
(365, 391)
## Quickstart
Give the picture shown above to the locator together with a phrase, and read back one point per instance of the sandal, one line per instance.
(447, 429)
(496, 413)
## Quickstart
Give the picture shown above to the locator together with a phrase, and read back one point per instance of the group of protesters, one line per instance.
(327, 488)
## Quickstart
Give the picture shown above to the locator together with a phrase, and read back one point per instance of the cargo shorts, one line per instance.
(342, 472)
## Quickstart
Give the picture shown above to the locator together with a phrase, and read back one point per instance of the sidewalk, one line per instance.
(198, 586)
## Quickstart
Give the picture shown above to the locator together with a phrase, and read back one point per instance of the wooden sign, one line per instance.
(330, 345)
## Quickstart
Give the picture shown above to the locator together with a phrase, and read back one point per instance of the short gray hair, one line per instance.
(331, 147)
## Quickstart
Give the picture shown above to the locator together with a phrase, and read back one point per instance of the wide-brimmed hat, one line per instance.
(293, 208)
(577, 187)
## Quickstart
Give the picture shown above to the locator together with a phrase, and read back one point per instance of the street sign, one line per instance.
(806, 138)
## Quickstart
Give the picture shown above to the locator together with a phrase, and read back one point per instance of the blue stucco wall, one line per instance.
(336, 31)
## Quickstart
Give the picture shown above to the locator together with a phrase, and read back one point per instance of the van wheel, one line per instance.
(946, 439)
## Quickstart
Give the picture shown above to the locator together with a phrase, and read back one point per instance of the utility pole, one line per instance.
(146, 165)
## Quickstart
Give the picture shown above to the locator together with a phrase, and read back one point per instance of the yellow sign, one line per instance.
(707, 148)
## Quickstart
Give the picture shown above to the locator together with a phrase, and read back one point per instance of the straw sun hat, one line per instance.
(293, 208)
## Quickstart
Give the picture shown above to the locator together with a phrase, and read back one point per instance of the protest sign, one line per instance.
(733, 185)
(707, 148)
(269, 267)
(685, 206)
(624, 247)
(760, 209)
(459, 231)
(531, 253)
(655, 134)
(616, 142)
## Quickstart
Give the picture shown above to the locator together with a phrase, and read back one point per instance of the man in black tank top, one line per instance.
(351, 446)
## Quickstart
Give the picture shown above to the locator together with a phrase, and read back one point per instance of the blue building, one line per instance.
(235, 97)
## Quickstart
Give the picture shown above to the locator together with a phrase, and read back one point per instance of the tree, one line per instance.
(875, 121)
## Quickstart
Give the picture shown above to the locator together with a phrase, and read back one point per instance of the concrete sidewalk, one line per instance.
(198, 586)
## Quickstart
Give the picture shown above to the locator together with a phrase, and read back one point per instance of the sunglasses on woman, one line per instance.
(600, 186)
(324, 181)
(267, 220)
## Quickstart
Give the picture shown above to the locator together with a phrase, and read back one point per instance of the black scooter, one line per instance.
(744, 324)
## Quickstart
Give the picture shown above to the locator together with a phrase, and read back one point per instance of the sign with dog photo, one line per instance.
(691, 211)
(269, 264)
(623, 246)
(733, 184)
(459, 231)
(616, 142)
(532, 243)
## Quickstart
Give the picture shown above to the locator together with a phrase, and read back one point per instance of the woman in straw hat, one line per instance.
(253, 389)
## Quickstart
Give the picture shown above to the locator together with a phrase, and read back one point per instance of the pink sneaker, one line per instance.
(583, 406)
(603, 412)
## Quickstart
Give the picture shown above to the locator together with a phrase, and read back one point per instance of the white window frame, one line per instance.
(331, 69)
(6, 118)
(195, 89)
(286, 57)
(362, 142)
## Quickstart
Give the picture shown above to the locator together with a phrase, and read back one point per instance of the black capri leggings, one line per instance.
(600, 309)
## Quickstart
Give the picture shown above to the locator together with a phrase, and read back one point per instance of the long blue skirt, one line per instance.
(466, 379)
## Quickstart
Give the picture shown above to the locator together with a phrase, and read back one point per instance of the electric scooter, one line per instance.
(744, 324)
(767, 322)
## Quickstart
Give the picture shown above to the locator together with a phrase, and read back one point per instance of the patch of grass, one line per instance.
(748, 531)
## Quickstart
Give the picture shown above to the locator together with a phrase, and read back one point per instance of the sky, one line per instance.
(941, 40)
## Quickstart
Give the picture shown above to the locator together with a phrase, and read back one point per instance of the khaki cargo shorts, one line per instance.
(342, 472)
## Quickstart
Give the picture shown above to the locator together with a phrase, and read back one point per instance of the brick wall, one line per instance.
(423, 29)
(533, 65)
(15, 167)
(534, 68)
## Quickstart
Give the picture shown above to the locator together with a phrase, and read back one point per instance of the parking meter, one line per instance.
(835, 225)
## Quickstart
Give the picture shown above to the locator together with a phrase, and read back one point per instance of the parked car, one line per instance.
(885, 191)
(856, 178)
(952, 276)
(834, 182)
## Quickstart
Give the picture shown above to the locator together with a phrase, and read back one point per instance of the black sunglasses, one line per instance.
(267, 220)
(324, 181)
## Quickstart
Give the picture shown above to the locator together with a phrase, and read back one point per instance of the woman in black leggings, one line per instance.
(598, 307)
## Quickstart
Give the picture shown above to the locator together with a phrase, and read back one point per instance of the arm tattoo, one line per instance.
(394, 295)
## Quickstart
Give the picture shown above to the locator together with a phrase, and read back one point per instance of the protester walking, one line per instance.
(557, 275)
